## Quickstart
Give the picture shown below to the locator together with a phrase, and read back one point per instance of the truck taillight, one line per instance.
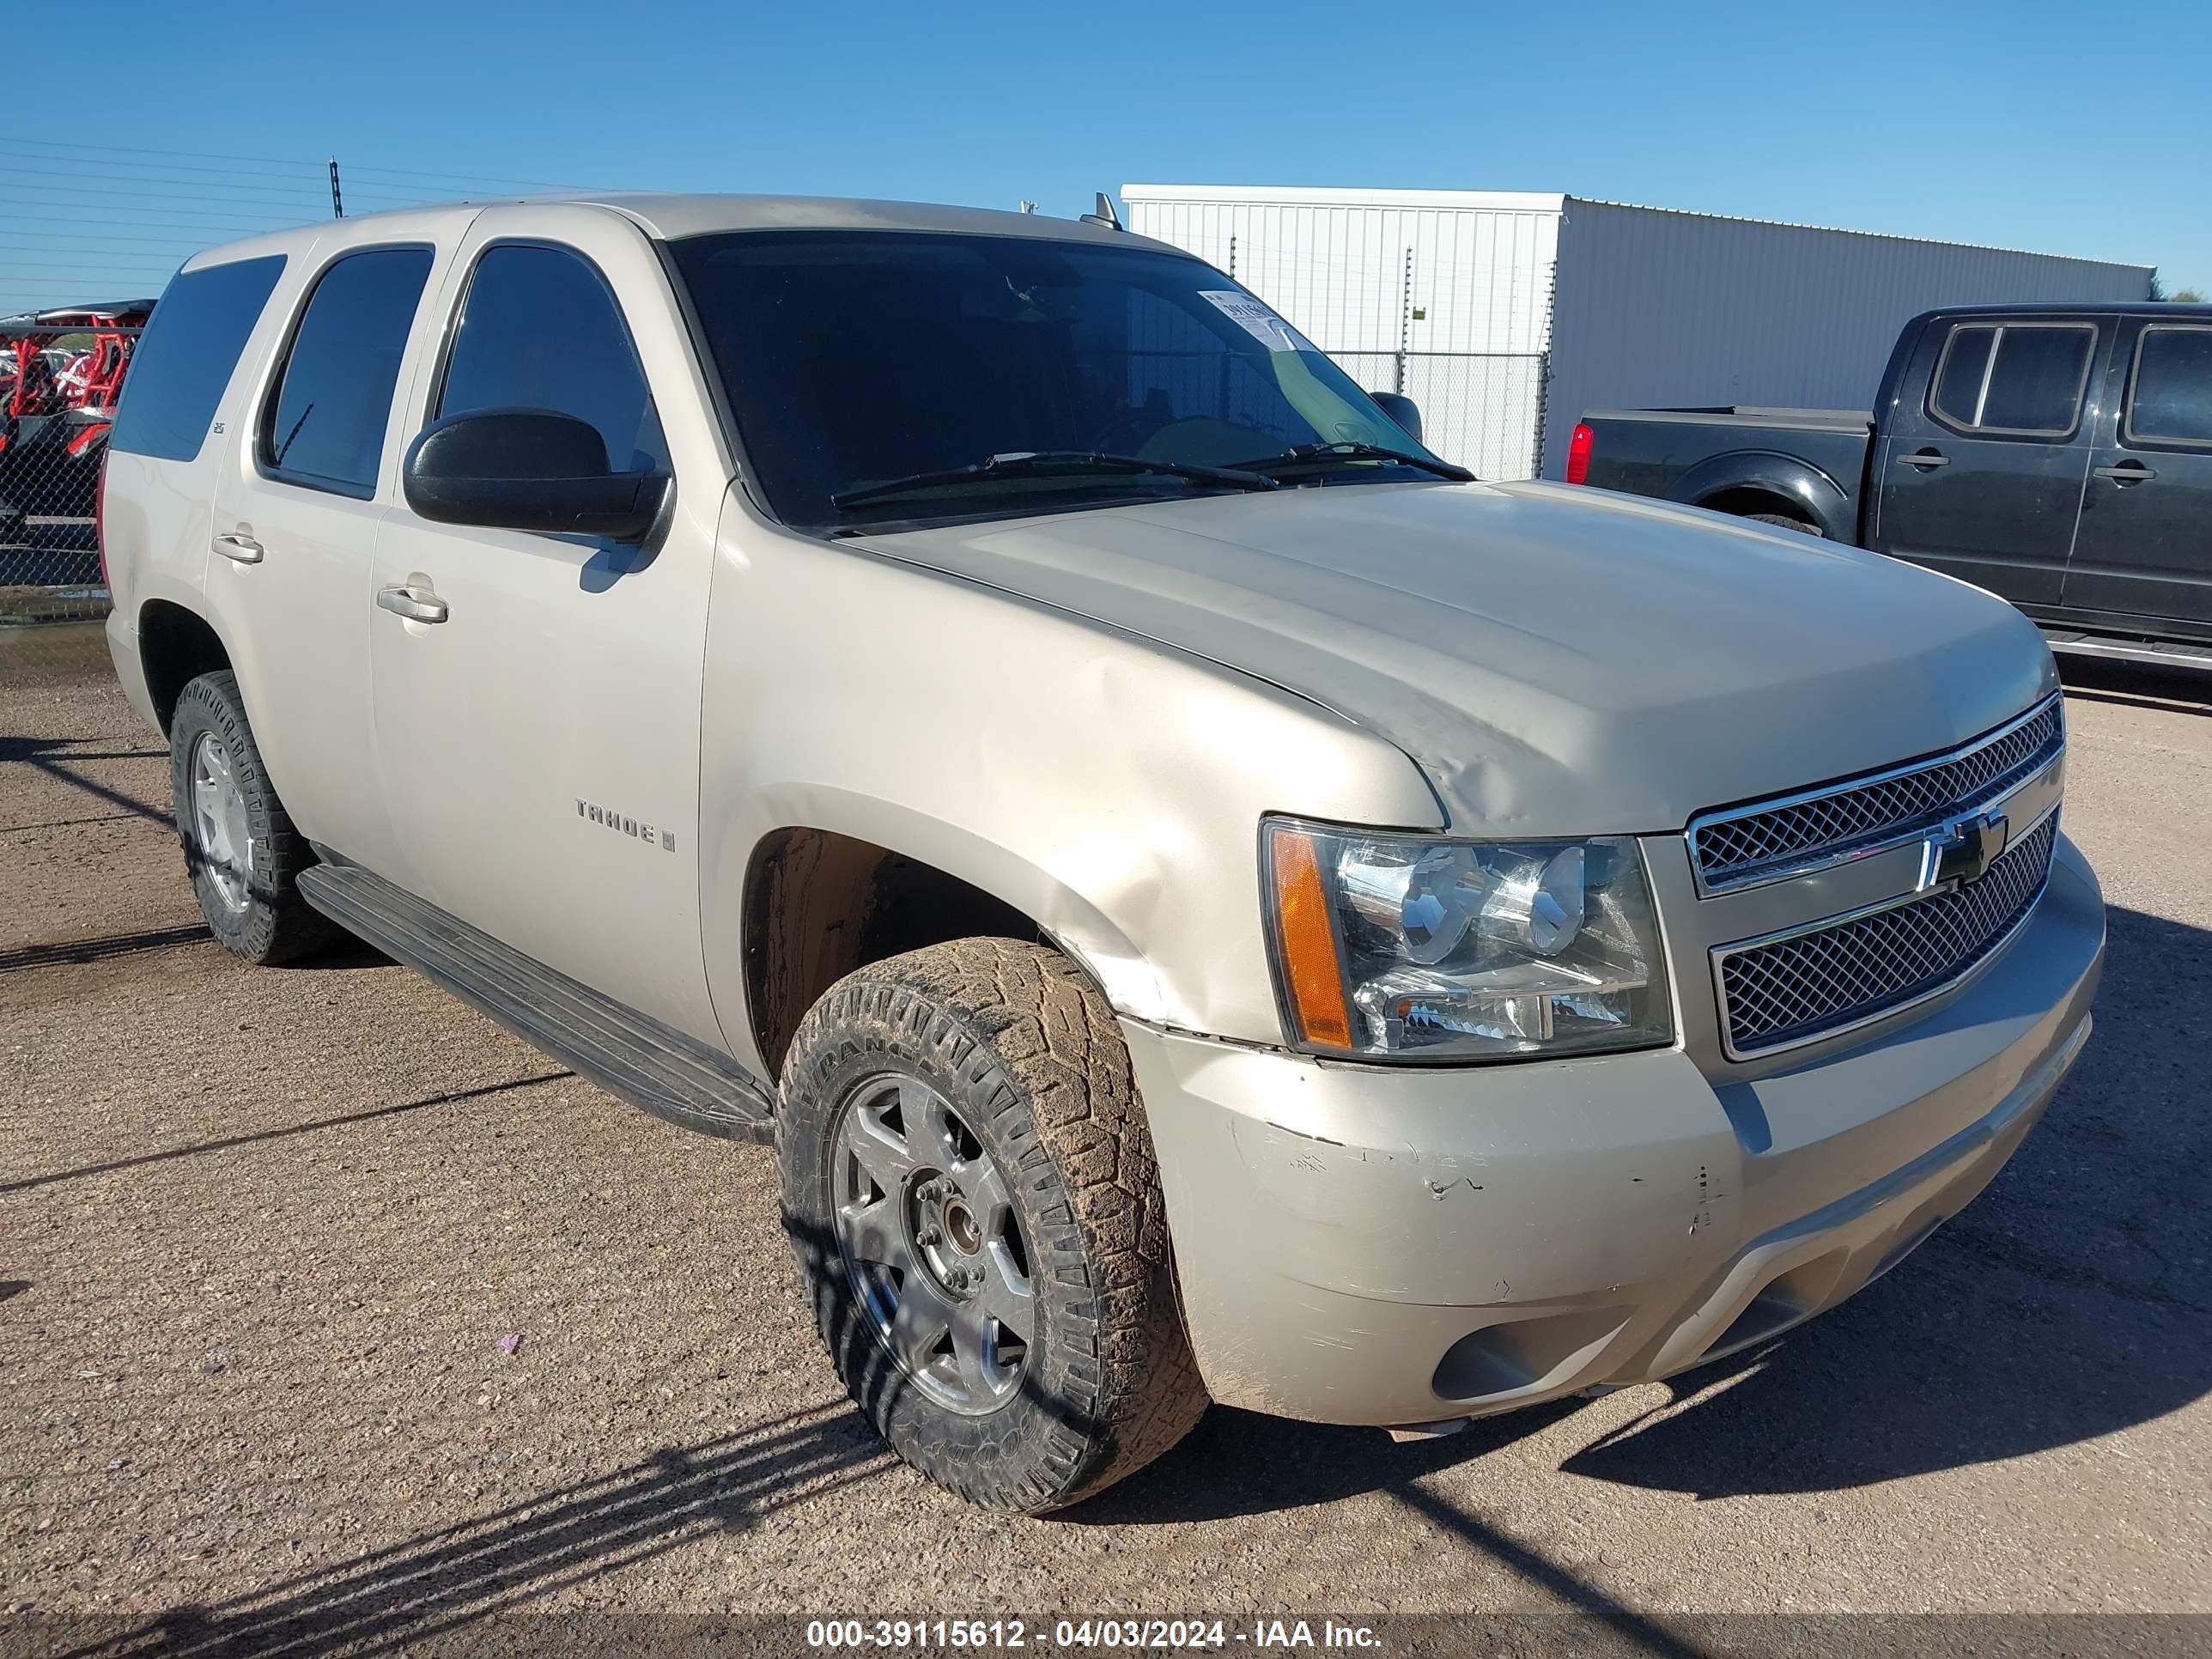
(100, 519)
(1579, 452)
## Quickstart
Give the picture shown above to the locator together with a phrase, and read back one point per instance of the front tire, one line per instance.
(240, 849)
(969, 1188)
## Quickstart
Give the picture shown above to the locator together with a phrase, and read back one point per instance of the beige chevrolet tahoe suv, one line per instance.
(1208, 900)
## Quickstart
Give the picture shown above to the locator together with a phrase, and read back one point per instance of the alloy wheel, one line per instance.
(931, 1244)
(220, 827)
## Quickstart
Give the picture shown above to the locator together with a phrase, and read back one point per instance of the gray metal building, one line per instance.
(1506, 314)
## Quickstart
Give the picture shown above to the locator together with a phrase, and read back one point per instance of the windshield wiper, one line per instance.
(1322, 454)
(1047, 463)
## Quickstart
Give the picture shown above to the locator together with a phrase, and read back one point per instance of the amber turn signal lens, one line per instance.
(1311, 970)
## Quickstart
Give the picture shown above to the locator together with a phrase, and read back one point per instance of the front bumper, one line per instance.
(1394, 1245)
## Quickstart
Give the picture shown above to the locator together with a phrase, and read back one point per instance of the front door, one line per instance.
(2145, 546)
(539, 739)
(1981, 478)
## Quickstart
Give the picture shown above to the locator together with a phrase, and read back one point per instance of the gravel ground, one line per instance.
(263, 1231)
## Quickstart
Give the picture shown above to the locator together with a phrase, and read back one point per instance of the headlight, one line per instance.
(1409, 946)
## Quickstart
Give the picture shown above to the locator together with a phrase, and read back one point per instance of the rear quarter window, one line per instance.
(184, 359)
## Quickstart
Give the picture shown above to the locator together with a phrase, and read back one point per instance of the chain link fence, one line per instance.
(58, 383)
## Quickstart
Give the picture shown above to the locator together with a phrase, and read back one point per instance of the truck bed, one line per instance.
(1814, 457)
(1847, 420)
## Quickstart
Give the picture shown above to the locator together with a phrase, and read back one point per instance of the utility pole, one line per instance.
(337, 202)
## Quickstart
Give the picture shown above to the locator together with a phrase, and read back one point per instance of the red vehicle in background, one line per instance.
(61, 373)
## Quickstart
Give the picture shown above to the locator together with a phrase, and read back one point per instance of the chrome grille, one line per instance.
(1733, 847)
(1813, 983)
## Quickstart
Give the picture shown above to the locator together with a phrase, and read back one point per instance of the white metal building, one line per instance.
(1506, 314)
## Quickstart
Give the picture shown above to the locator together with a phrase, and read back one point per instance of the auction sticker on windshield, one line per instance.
(1254, 317)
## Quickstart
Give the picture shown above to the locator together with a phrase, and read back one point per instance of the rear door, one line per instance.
(296, 509)
(2145, 546)
(1981, 477)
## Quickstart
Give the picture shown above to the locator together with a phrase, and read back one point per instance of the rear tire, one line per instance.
(968, 1110)
(240, 849)
(1783, 521)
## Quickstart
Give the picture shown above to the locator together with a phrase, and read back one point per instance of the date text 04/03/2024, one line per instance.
(1262, 1635)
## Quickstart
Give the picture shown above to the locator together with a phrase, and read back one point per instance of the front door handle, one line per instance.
(244, 548)
(1925, 458)
(408, 602)
(2127, 472)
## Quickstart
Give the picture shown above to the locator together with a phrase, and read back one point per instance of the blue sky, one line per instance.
(2023, 125)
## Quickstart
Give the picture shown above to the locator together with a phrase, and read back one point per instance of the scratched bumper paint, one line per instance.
(1339, 1230)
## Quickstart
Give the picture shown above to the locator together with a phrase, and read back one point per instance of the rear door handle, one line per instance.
(407, 602)
(2127, 472)
(1926, 457)
(244, 548)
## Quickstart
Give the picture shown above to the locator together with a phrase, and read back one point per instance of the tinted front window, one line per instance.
(325, 425)
(185, 358)
(853, 359)
(540, 330)
(2172, 400)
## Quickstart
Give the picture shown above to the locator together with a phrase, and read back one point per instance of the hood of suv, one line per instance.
(1559, 661)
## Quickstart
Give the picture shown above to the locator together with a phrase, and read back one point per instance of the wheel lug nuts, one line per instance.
(929, 1236)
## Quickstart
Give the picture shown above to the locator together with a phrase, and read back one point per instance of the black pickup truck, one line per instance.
(2060, 456)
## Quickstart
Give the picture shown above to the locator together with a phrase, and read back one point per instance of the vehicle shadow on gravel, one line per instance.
(440, 1583)
(55, 756)
(2068, 1301)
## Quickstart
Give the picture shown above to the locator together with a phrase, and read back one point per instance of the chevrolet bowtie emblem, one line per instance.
(1962, 850)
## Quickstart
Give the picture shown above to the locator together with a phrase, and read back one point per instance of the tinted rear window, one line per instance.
(1958, 383)
(185, 356)
(2032, 389)
(325, 427)
(2036, 385)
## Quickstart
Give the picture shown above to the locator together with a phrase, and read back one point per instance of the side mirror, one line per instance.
(527, 469)
(1402, 409)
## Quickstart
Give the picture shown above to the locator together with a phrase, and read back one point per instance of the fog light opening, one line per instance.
(1518, 1355)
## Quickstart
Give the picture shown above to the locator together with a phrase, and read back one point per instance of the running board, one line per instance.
(2160, 653)
(624, 1052)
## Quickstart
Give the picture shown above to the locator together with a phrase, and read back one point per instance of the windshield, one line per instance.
(862, 366)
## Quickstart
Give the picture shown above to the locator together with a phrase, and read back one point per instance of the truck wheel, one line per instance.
(1783, 521)
(970, 1188)
(240, 849)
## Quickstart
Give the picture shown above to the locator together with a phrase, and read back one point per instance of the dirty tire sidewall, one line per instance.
(1028, 1054)
(1783, 521)
(275, 924)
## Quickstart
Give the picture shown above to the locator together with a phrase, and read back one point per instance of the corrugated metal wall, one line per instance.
(1444, 294)
(1656, 307)
(1481, 262)
(1633, 305)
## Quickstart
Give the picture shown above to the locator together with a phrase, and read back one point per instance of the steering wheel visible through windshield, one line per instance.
(882, 377)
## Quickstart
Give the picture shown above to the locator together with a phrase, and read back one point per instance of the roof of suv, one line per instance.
(670, 218)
